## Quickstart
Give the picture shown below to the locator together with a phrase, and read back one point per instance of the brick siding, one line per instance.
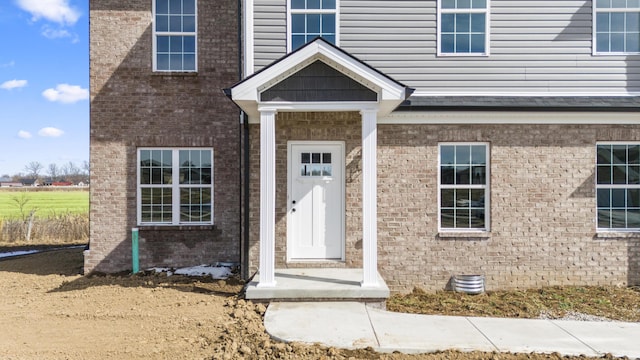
(133, 107)
(542, 204)
(308, 126)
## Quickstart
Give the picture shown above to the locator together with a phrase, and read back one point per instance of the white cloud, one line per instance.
(66, 94)
(13, 84)
(24, 134)
(50, 132)
(9, 64)
(51, 33)
(58, 11)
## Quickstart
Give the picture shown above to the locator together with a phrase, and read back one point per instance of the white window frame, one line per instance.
(486, 187)
(487, 42)
(613, 186)
(169, 33)
(291, 11)
(175, 186)
(594, 42)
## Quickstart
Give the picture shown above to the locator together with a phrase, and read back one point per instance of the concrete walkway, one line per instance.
(355, 325)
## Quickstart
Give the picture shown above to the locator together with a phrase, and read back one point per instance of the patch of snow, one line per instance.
(18, 253)
(216, 272)
(29, 252)
(205, 270)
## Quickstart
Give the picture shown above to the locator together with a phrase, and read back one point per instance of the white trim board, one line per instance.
(248, 38)
(518, 93)
(510, 117)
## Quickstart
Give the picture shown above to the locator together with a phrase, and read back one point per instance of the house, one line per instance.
(62, 183)
(418, 140)
(165, 141)
(11, 184)
(410, 141)
(29, 182)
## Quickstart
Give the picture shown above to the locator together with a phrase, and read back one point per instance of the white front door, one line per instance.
(315, 209)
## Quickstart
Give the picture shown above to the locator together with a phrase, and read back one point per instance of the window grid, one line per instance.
(463, 27)
(315, 164)
(175, 35)
(618, 187)
(616, 27)
(309, 19)
(181, 192)
(463, 187)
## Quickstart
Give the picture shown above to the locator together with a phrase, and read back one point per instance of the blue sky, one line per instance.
(44, 83)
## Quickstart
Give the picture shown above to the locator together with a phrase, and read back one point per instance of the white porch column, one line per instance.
(369, 198)
(267, 197)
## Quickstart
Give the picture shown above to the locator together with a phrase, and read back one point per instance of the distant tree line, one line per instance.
(68, 172)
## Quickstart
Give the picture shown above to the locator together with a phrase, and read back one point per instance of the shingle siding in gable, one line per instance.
(318, 82)
(536, 47)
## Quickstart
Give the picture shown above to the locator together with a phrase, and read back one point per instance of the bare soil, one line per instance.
(596, 302)
(49, 311)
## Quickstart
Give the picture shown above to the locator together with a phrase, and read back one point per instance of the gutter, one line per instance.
(243, 242)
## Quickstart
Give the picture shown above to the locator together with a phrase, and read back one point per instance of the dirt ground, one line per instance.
(49, 311)
(578, 303)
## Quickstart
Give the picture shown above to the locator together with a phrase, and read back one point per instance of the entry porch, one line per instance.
(317, 173)
(309, 284)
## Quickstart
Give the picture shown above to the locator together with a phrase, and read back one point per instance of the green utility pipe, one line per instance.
(135, 250)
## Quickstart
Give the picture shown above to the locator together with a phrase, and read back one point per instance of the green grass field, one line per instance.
(46, 203)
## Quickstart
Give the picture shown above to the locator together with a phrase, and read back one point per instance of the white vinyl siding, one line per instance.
(537, 47)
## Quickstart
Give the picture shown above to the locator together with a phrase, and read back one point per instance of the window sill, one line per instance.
(320, 262)
(175, 73)
(175, 227)
(617, 235)
(470, 235)
(454, 55)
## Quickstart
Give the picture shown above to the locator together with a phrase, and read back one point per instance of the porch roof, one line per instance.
(247, 93)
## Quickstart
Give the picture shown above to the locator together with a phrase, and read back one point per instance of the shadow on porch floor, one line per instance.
(317, 285)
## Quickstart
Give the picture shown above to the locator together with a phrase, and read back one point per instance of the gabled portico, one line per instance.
(317, 78)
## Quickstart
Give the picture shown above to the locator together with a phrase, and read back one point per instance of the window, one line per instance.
(310, 19)
(175, 186)
(463, 186)
(315, 164)
(463, 27)
(617, 27)
(174, 40)
(618, 186)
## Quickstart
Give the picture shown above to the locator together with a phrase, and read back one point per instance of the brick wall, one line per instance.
(542, 204)
(542, 209)
(133, 107)
(309, 126)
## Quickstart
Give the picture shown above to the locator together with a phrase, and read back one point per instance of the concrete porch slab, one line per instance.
(317, 284)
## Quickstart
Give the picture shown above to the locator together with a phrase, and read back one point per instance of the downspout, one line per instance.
(243, 244)
(245, 261)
